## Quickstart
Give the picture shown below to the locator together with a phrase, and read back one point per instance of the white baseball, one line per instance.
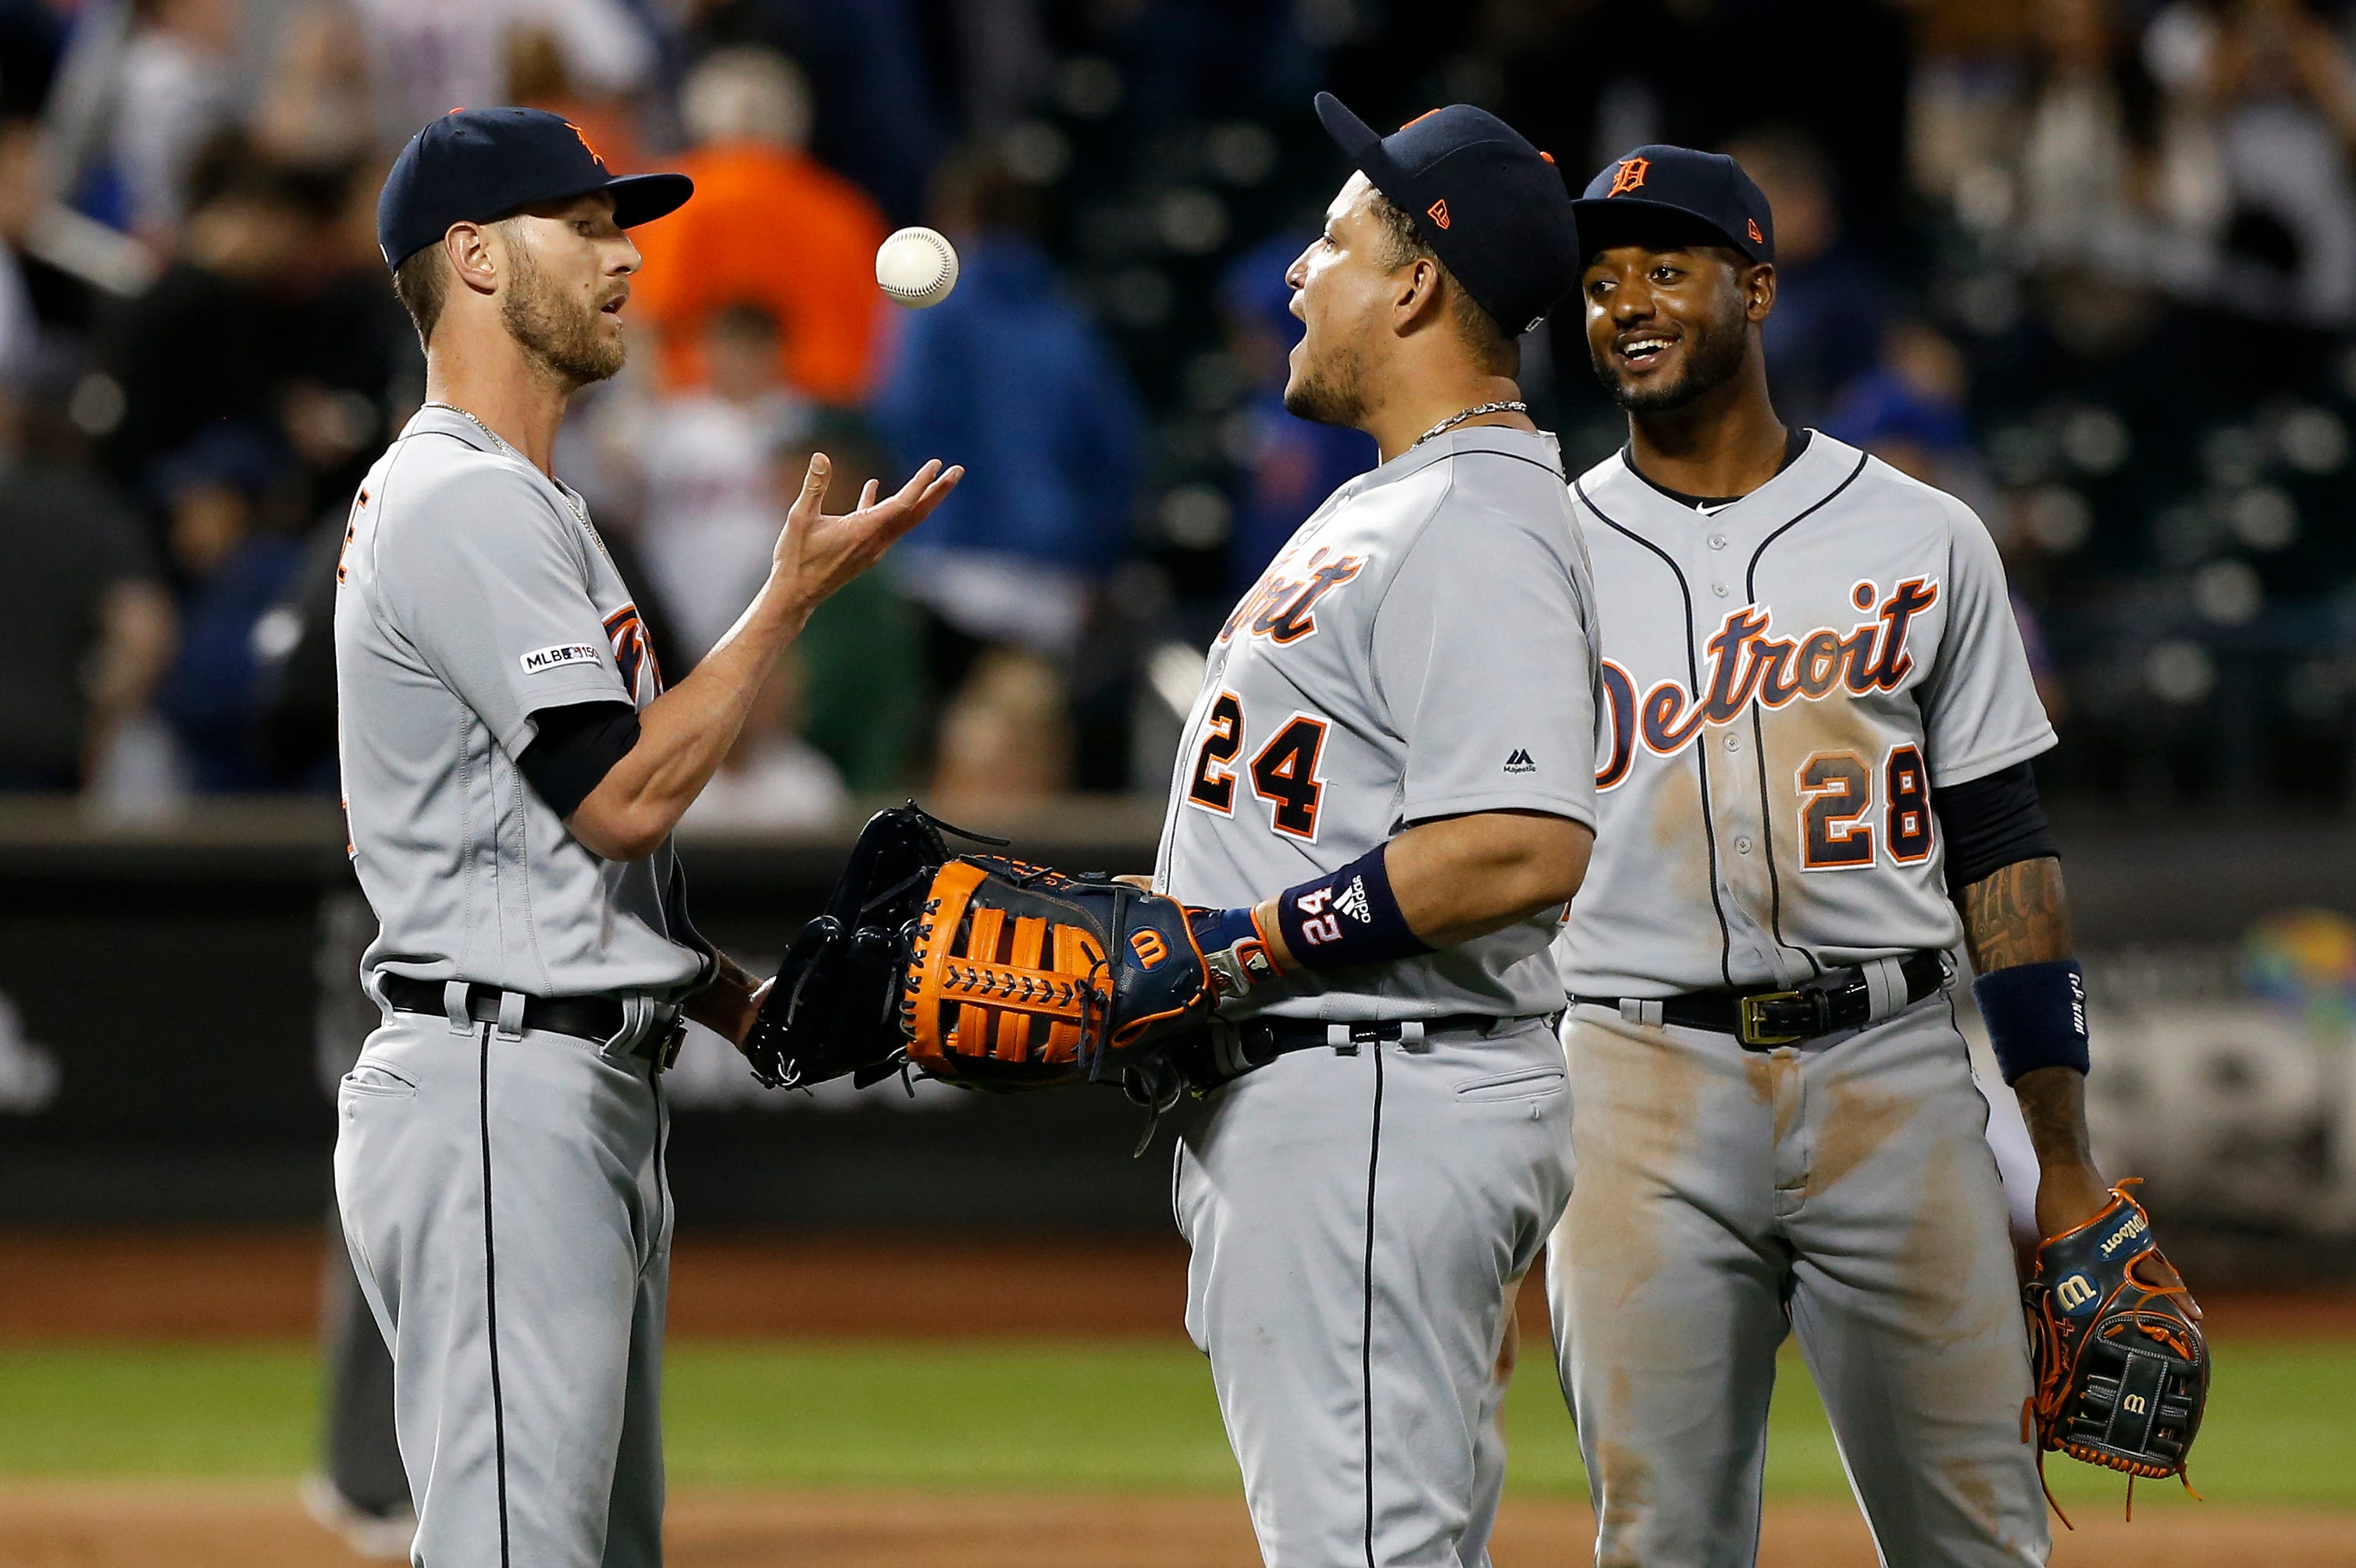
(916, 267)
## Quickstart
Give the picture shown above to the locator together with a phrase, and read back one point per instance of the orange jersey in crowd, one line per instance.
(771, 228)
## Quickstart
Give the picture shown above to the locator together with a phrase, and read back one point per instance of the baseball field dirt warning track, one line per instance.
(189, 1525)
(121, 1353)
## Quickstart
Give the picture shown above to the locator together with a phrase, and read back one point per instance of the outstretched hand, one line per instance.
(816, 554)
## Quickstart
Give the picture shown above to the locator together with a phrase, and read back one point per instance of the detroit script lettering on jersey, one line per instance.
(1282, 608)
(1746, 665)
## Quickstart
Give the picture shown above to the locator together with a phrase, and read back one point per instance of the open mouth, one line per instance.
(614, 306)
(1643, 353)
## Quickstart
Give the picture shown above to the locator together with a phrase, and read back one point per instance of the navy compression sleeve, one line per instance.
(576, 746)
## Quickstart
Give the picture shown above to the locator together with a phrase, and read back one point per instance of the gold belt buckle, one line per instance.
(661, 1044)
(1750, 1029)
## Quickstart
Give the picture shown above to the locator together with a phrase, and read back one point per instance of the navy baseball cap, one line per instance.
(1490, 205)
(476, 165)
(1682, 187)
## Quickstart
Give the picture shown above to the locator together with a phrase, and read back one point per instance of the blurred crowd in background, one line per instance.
(2090, 264)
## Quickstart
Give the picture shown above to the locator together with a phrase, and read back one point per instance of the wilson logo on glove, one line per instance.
(2122, 1366)
(983, 971)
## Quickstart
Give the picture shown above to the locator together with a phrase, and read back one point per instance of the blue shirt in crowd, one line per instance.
(1008, 378)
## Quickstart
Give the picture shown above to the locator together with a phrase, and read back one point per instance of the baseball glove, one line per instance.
(2122, 1366)
(983, 971)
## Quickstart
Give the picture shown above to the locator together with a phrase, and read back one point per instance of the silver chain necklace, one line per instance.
(1503, 405)
(504, 445)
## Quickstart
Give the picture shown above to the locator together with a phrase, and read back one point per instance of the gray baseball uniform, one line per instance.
(1357, 1217)
(502, 1187)
(1788, 679)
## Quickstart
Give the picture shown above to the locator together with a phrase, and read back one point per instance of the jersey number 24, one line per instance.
(1283, 771)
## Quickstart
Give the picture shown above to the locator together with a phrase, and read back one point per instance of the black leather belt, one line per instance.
(598, 1018)
(1762, 1020)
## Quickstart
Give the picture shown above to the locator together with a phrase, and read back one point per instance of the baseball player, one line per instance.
(1819, 721)
(512, 767)
(1381, 802)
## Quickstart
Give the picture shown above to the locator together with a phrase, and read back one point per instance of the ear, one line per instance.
(473, 255)
(1417, 300)
(1759, 292)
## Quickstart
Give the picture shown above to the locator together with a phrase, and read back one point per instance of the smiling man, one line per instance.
(1820, 719)
(512, 768)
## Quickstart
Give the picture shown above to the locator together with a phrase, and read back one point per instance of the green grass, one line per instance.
(1100, 1416)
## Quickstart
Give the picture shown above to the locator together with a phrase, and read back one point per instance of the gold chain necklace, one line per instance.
(1503, 405)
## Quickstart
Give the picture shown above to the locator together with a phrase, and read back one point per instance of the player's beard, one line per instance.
(1332, 392)
(1714, 355)
(565, 335)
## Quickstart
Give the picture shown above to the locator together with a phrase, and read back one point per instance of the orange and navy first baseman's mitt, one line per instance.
(979, 969)
(2122, 1366)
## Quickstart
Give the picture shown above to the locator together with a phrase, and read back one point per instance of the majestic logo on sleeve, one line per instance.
(1747, 666)
(1282, 608)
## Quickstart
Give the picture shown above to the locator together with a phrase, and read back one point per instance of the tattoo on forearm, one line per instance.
(2016, 915)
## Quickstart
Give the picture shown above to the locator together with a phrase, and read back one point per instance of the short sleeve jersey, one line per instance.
(472, 595)
(1788, 679)
(1424, 646)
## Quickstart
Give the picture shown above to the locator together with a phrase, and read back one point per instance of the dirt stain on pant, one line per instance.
(1622, 1487)
(1636, 1106)
(1859, 1119)
(1773, 1080)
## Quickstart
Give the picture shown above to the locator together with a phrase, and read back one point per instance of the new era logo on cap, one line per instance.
(1461, 168)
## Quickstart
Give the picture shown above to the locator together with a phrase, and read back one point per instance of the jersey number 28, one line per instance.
(1283, 771)
(1836, 793)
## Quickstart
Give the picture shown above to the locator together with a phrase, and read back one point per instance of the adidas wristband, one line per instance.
(2036, 1016)
(1347, 917)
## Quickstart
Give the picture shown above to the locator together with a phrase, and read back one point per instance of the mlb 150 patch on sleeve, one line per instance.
(540, 661)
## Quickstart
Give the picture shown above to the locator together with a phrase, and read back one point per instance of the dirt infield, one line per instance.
(235, 1283)
(188, 1526)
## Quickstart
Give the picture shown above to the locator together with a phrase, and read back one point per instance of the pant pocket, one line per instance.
(374, 1077)
(1522, 1083)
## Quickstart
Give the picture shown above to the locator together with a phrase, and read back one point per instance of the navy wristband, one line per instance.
(2036, 1016)
(1346, 916)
